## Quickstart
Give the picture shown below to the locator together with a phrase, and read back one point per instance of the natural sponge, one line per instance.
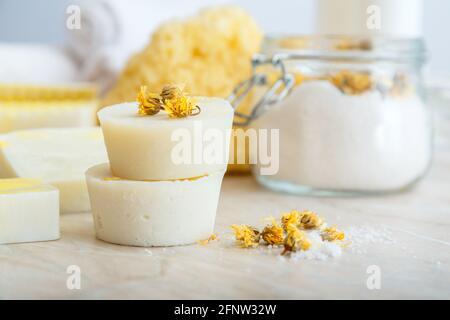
(209, 52)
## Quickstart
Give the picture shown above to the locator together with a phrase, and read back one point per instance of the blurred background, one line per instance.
(44, 20)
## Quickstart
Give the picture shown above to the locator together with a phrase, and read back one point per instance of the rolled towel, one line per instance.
(36, 64)
(112, 30)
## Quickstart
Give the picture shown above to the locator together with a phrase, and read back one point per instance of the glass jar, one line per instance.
(351, 114)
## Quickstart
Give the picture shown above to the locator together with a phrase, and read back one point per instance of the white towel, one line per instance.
(35, 64)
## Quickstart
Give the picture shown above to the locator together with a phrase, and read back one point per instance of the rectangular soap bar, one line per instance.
(29, 211)
(59, 157)
(51, 114)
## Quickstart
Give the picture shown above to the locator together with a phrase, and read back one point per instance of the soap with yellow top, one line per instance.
(171, 142)
(57, 156)
(31, 106)
(29, 211)
(20, 115)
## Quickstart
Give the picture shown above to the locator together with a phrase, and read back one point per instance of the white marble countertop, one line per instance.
(413, 256)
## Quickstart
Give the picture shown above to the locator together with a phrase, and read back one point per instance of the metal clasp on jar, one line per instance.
(276, 92)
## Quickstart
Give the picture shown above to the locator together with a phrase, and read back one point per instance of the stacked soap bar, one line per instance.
(59, 157)
(29, 211)
(162, 185)
(25, 107)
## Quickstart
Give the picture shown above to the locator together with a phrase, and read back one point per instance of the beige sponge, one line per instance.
(209, 52)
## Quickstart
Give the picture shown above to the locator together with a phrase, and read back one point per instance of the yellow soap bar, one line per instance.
(10, 92)
(57, 156)
(51, 114)
(29, 211)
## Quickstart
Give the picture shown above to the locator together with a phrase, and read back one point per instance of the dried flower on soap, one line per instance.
(273, 233)
(247, 236)
(149, 103)
(332, 234)
(181, 107)
(290, 218)
(170, 92)
(295, 240)
(204, 242)
(177, 104)
(309, 220)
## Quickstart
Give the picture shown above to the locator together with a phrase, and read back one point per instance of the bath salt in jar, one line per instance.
(351, 114)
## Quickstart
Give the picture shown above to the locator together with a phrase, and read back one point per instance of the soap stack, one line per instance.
(162, 185)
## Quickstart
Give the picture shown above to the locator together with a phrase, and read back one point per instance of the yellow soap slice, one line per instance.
(21, 185)
(57, 156)
(29, 211)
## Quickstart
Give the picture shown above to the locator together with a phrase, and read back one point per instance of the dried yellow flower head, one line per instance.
(172, 100)
(295, 240)
(273, 234)
(309, 220)
(290, 218)
(352, 83)
(171, 92)
(181, 107)
(332, 234)
(149, 103)
(204, 242)
(246, 235)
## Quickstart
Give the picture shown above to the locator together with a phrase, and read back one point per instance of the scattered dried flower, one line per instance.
(295, 240)
(246, 235)
(290, 218)
(204, 242)
(332, 234)
(309, 220)
(273, 233)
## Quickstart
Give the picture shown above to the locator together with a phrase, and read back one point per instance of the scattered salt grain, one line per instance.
(359, 236)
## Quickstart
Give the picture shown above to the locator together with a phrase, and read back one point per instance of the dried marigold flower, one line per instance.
(290, 218)
(273, 234)
(180, 107)
(204, 242)
(352, 83)
(309, 220)
(149, 103)
(171, 92)
(176, 103)
(295, 240)
(332, 234)
(246, 235)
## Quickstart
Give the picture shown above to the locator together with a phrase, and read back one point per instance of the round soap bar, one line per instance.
(158, 147)
(152, 213)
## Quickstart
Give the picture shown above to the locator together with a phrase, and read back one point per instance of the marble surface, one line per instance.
(412, 251)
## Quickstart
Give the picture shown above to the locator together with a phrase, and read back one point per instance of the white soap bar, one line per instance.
(57, 156)
(29, 115)
(152, 213)
(29, 211)
(161, 148)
